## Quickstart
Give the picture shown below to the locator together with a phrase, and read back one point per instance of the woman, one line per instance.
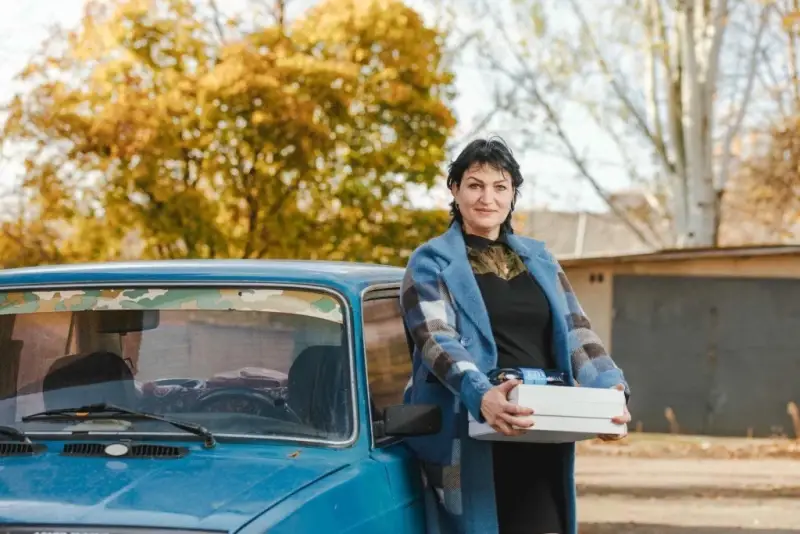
(479, 297)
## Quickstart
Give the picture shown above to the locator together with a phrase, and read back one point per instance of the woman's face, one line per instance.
(484, 199)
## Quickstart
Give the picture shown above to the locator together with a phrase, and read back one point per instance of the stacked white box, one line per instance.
(561, 414)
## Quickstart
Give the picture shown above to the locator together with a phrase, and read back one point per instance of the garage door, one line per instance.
(722, 353)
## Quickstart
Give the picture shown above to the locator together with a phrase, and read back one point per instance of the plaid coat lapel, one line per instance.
(461, 283)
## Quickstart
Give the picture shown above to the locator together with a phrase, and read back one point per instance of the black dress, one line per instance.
(528, 477)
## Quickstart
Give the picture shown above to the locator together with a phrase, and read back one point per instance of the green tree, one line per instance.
(295, 141)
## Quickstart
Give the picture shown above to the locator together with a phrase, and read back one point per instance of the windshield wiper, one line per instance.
(14, 433)
(109, 411)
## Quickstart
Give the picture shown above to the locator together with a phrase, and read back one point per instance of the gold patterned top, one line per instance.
(496, 257)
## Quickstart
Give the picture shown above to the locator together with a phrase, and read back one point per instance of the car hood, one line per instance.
(220, 489)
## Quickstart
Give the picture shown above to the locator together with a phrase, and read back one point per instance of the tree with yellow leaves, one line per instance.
(294, 141)
(764, 204)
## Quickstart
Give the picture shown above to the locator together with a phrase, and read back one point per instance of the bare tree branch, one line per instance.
(735, 128)
(685, 87)
(500, 105)
(771, 85)
(641, 123)
(529, 85)
(716, 27)
(279, 11)
(576, 158)
(217, 20)
(634, 174)
(651, 30)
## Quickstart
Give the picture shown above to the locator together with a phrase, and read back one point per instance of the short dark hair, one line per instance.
(493, 152)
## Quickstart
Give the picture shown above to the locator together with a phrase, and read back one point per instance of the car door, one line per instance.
(388, 371)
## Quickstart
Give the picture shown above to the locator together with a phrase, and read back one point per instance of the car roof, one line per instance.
(343, 276)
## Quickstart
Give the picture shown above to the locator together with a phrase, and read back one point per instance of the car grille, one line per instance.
(134, 450)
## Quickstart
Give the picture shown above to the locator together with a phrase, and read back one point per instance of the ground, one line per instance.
(655, 484)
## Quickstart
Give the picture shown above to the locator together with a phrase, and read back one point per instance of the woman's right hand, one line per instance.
(503, 415)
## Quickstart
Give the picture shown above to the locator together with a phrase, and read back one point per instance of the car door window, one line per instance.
(387, 352)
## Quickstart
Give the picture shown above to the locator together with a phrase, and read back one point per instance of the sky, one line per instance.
(550, 182)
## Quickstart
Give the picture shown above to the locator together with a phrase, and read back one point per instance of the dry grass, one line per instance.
(647, 445)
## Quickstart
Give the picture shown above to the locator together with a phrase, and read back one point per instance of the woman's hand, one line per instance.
(620, 420)
(503, 415)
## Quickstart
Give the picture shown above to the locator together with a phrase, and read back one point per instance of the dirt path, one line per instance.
(640, 495)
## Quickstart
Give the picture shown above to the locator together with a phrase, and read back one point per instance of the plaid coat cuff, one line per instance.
(592, 366)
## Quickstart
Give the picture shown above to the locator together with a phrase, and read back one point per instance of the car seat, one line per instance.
(81, 379)
(319, 389)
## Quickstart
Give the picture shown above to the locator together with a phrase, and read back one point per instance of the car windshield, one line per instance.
(259, 362)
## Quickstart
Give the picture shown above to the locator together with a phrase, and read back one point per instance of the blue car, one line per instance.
(207, 396)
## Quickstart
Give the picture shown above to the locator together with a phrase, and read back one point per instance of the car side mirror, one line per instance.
(406, 420)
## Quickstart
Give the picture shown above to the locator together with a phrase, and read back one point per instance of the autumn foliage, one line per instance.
(149, 135)
(764, 201)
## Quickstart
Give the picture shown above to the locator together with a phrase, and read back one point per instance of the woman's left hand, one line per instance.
(620, 420)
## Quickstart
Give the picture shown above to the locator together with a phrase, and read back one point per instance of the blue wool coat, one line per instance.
(444, 312)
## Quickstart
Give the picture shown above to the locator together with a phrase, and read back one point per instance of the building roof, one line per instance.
(743, 252)
(343, 275)
(568, 234)
(583, 238)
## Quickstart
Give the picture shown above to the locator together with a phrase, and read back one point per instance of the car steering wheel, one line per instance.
(262, 404)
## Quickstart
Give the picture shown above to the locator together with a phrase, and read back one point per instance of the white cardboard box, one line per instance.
(562, 414)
